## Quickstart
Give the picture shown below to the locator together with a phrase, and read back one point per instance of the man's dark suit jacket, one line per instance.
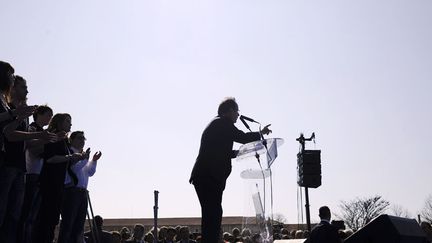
(324, 233)
(215, 153)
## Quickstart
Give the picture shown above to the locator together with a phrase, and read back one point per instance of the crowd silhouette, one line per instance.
(182, 234)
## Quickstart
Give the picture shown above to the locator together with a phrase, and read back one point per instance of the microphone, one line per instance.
(247, 119)
(244, 123)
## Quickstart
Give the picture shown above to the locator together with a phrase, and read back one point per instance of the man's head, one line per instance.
(246, 232)
(171, 233)
(98, 221)
(125, 233)
(163, 233)
(256, 238)
(236, 232)
(148, 237)
(6, 77)
(184, 233)
(226, 236)
(77, 140)
(19, 90)
(177, 228)
(324, 213)
(61, 122)
(299, 234)
(229, 108)
(42, 115)
(138, 232)
(116, 237)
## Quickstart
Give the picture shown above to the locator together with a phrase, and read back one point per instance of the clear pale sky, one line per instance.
(143, 79)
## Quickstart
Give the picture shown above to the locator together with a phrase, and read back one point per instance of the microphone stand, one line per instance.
(257, 156)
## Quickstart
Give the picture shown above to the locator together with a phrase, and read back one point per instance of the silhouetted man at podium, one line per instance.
(324, 232)
(213, 165)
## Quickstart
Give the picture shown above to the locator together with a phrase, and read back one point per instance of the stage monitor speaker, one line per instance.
(309, 168)
(389, 229)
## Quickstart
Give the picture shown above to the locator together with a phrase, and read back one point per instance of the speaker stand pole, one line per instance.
(302, 141)
(307, 209)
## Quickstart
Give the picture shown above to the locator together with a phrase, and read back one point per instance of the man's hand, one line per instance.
(61, 135)
(97, 156)
(48, 136)
(266, 130)
(75, 157)
(87, 153)
(23, 112)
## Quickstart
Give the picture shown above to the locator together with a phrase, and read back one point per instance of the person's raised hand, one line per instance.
(97, 156)
(24, 111)
(87, 153)
(266, 130)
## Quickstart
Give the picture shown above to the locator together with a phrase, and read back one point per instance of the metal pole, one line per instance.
(155, 211)
(271, 204)
(307, 209)
(90, 223)
(95, 239)
(302, 141)
(264, 183)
